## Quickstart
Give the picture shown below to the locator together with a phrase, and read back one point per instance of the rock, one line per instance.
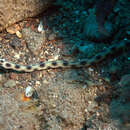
(34, 40)
(86, 48)
(18, 34)
(10, 83)
(93, 31)
(13, 29)
(12, 11)
(52, 37)
(125, 80)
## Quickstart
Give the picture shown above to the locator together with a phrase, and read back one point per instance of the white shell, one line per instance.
(29, 91)
(40, 27)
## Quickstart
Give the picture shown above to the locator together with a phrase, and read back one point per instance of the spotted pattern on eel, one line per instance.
(109, 52)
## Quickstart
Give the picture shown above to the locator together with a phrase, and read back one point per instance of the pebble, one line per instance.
(0, 38)
(86, 48)
(13, 29)
(90, 69)
(18, 34)
(17, 56)
(45, 81)
(29, 91)
(52, 36)
(125, 80)
(10, 83)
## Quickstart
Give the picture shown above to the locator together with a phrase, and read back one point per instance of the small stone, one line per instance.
(0, 38)
(38, 84)
(90, 69)
(17, 56)
(10, 83)
(13, 29)
(125, 80)
(29, 91)
(90, 83)
(116, 10)
(18, 34)
(52, 36)
(45, 81)
(84, 87)
(128, 32)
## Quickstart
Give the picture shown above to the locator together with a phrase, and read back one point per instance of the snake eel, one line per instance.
(113, 50)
